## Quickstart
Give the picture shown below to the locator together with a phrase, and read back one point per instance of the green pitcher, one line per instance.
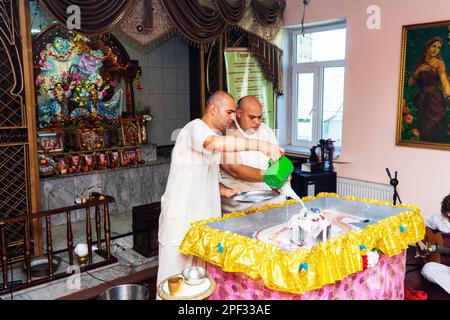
(277, 173)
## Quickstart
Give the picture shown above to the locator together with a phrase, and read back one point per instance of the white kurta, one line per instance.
(258, 160)
(192, 194)
(438, 222)
(437, 272)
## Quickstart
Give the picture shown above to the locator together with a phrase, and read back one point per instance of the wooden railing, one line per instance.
(97, 204)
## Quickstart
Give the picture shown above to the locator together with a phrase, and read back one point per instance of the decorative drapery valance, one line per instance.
(203, 21)
(97, 16)
(267, 15)
(204, 24)
(200, 22)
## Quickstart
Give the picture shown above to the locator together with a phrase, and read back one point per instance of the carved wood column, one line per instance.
(30, 115)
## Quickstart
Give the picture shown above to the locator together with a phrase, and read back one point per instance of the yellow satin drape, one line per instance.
(326, 262)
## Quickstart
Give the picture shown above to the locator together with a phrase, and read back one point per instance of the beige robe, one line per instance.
(258, 160)
(192, 194)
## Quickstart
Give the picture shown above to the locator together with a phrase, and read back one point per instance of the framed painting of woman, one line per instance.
(423, 114)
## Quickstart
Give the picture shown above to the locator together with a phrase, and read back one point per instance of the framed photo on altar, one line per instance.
(113, 159)
(423, 115)
(75, 163)
(62, 165)
(130, 157)
(50, 141)
(90, 139)
(102, 161)
(89, 160)
(131, 132)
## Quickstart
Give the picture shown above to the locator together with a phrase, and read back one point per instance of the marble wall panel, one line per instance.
(160, 175)
(148, 151)
(130, 187)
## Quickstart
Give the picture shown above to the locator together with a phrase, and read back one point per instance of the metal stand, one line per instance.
(394, 182)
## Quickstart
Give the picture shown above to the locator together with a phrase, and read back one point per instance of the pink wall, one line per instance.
(371, 93)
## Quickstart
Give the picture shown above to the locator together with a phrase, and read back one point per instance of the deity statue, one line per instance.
(60, 97)
(93, 97)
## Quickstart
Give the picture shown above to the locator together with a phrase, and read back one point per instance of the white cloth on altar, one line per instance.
(254, 159)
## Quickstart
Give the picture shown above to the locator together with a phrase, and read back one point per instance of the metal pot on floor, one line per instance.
(125, 292)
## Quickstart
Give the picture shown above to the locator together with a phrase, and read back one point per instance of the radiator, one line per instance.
(364, 189)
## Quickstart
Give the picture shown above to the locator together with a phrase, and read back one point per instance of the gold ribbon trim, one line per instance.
(327, 262)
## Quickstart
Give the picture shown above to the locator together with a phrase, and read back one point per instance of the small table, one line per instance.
(201, 291)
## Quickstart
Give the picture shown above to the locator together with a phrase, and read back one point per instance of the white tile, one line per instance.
(169, 127)
(169, 81)
(170, 107)
(154, 58)
(156, 104)
(156, 132)
(182, 56)
(169, 55)
(183, 107)
(155, 81)
(182, 81)
(182, 123)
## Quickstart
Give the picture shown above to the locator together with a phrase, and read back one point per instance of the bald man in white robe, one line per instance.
(193, 190)
(245, 169)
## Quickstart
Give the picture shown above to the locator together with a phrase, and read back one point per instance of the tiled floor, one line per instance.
(121, 248)
(120, 224)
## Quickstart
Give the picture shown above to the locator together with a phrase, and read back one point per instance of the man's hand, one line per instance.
(274, 151)
(232, 192)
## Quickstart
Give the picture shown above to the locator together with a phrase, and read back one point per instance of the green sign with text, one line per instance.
(246, 77)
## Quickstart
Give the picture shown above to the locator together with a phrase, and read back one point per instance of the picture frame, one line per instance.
(75, 163)
(47, 166)
(90, 139)
(62, 165)
(50, 142)
(131, 132)
(423, 116)
(114, 159)
(89, 160)
(130, 157)
(102, 160)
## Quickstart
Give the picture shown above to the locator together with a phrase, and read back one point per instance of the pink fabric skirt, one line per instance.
(385, 281)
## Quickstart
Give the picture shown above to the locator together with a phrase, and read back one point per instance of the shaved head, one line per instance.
(219, 99)
(220, 110)
(249, 102)
(249, 114)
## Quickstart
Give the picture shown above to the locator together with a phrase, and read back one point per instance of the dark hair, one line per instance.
(445, 205)
(429, 43)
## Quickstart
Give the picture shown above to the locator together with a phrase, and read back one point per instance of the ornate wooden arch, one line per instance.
(117, 64)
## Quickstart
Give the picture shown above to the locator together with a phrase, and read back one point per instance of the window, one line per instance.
(318, 66)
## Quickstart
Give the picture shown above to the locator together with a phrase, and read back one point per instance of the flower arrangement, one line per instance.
(144, 115)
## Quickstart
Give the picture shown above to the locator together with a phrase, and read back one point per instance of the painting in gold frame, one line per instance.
(90, 139)
(130, 157)
(50, 141)
(423, 115)
(131, 135)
